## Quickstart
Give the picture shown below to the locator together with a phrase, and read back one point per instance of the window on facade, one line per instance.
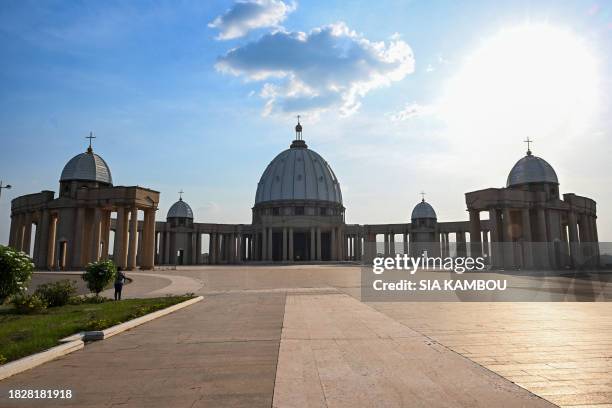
(322, 211)
(275, 211)
(299, 210)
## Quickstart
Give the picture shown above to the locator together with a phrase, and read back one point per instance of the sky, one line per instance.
(398, 96)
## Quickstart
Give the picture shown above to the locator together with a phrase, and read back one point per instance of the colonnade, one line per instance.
(70, 238)
(538, 237)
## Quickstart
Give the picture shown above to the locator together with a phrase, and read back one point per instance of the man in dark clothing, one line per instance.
(119, 280)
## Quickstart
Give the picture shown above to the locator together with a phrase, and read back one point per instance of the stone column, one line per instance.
(198, 256)
(333, 245)
(475, 243)
(595, 239)
(42, 231)
(12, 231)
(27, 234)
(313, 250)
(133, 238)
(508, 245)
(239, 248)
(20, 232)
(96, 232)
(121, 238)
(496, 253)
(291, 245)
(149, 237)
(172, 260)
(212, 244)
(586, 239)
(77, 242)
(485, 244)
(105, 234)
(284, 243)
(318, 243)
(264, 244)
(270, 241)
(527, 239)
(51, 242)
(386, 244)
(167, 247)
(543, 239)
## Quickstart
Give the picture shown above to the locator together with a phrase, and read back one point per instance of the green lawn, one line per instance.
(22, 335)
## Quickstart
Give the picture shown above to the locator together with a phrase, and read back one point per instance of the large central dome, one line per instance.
(298, 173)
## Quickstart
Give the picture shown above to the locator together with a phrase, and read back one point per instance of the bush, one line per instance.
(57, 293)
(28, 304)
(15, 272)
(2, 359)
(98, 324)
(98, 275)
(87, 300)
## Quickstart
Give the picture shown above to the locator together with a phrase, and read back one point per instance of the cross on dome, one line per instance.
(90, 137)
(528, 141)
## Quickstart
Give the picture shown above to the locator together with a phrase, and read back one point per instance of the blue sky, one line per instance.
(200, 96)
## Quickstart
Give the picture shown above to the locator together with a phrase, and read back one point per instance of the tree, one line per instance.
(15, 272)
(98, 275)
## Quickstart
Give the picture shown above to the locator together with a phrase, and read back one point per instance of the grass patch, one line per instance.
(22, 335)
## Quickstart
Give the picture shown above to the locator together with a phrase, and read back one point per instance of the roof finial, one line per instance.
(181, 195)
(298, 129)
(91, 136)
(528, 141)
(422, 196)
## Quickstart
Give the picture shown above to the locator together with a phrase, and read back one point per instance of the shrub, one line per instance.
(87, 300)
(57, 293)
(98, 324)
(28, 304)
(15, 272)
(98, 275)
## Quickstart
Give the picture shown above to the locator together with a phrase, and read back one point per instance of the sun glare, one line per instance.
(531, 80)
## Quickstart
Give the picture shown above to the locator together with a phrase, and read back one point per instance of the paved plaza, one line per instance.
(298, 336)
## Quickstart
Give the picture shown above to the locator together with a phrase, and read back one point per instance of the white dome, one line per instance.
(180, 209)
(423, 210)
(298, 173)
(87, 166)
(531, 169)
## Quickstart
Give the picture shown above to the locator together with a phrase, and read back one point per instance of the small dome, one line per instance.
(298, 173)
(87, 167)
(531, 169)
(423, 210)
(180, 209)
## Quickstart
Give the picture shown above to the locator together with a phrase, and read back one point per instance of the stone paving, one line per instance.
(334, 350)
(559, 351)
(219, 352)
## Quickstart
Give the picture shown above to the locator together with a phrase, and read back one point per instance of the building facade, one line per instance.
(299, 216)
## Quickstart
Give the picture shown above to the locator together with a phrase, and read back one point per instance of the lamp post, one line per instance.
(7, 186)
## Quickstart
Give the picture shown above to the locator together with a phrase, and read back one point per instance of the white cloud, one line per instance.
(245, 16)
(411, 110)
(329, 67)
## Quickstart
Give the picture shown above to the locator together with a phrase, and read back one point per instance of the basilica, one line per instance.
(298, 215)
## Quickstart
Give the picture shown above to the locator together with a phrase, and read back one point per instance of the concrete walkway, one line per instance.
(217, 353)
(299, 336)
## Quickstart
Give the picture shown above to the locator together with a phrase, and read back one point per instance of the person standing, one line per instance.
(119, 281)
